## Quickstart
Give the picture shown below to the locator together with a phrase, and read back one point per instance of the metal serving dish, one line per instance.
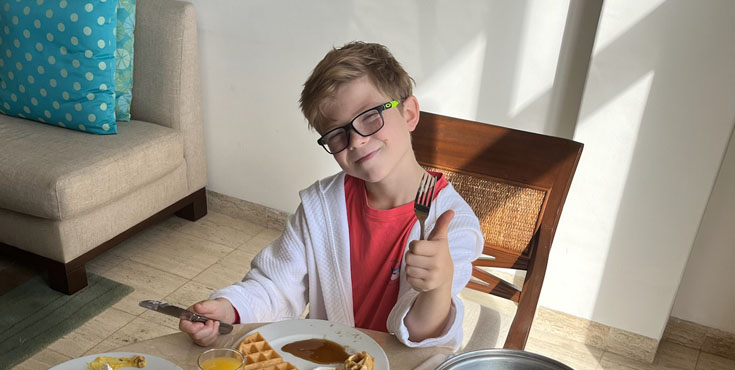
(501, 359)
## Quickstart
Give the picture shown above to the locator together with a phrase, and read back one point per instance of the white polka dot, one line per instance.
(87, 31)
(63, 50)
(105, 126)
(49, 13)
(26, 10)
(61, 27)
(29, 57)
(13, 97)
(52, 82)
(103, 106)
(75, 63)
(81, 127)
(15, 20)
(39, 46)
(6, 105)
(8, 53)
(27, 34)
(26, 109)
(90, 96)
(31, 80)
(65, 95)
(62, 4)
(89, 76)
(74, 17)
(77, 86)
(102, 66)
(74, 40)
(16, 43)
(78, 107)
(68, 116)
(19, 66)
(11, 75)
(50, 37)
(47, 114)
(21, 88)
(103, 87)
(101, 44)
(61, 124)
(101, 20)
(88, 53)
(41, 120)
(88, 7)
(56, 104)
(43, 92)
(3, 85)
(34, 101)
(51, 59)
(39, 2)
(37, 23)
(64, 73)
(92, 118)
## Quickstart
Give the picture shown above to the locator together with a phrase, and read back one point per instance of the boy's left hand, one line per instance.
(428, 262)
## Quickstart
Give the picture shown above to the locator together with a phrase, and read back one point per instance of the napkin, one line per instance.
(432, 362)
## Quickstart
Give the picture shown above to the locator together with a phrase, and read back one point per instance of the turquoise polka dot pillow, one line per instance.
(124, 59)
(57, 62)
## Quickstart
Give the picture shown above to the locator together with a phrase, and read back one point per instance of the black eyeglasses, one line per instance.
(365, 124)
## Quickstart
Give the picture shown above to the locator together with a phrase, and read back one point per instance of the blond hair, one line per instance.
(350, 62)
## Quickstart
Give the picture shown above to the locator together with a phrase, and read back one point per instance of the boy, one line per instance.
(352, 249)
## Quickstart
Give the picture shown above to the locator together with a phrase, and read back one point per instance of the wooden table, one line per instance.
(179, 349)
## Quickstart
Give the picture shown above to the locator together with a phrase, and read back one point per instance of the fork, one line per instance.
(424, 195)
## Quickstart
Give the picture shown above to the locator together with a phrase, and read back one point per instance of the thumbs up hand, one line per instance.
(428, 262)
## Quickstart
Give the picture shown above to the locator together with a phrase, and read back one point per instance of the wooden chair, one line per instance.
(516, 182)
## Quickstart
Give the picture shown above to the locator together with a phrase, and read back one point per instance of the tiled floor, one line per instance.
(182, 262)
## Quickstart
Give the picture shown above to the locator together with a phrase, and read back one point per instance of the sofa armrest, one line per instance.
(166, 88)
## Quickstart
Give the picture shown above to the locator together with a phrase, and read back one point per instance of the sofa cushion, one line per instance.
(124, 59)
(53, 173)
(58, 63)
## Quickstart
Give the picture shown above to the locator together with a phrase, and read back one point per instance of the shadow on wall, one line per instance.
(662, 201)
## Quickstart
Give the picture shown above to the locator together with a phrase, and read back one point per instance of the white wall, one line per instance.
(707, 292)
(492, 61)
(656, 116)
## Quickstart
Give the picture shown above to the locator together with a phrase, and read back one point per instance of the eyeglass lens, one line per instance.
(365, 125)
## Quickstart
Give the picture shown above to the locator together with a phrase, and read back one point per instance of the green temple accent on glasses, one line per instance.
(391, 104)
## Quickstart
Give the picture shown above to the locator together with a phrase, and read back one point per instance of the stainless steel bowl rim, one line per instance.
(501, 353)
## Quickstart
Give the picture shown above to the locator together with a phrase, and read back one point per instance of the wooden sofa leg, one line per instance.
(66, 279)
(197, 208)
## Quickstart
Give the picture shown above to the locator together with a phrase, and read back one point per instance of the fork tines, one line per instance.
(425, 192)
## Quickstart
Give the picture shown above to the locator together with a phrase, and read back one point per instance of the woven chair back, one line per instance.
(516, 183)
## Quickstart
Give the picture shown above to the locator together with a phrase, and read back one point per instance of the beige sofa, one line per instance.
(67, 196)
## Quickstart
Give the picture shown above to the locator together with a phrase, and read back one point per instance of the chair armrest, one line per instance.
(166, 88)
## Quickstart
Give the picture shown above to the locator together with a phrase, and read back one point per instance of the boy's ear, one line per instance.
(411, 112)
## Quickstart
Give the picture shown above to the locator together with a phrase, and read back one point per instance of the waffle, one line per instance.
(260, 355)
(360, 361)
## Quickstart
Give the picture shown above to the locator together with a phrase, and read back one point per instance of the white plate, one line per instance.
(152, 362)
(278, 334)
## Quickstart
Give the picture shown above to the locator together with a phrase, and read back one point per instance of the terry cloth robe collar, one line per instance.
(335, 277)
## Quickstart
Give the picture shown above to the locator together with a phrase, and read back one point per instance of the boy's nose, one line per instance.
(357, 139)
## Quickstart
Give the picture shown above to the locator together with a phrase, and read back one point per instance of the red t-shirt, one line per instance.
(377, 241)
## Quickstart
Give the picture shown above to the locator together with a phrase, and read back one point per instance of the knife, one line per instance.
(183, 314)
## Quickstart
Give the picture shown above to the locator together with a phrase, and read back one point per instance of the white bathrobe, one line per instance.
(310, 263)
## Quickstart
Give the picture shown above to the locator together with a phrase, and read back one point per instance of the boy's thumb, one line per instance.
(441, 228)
